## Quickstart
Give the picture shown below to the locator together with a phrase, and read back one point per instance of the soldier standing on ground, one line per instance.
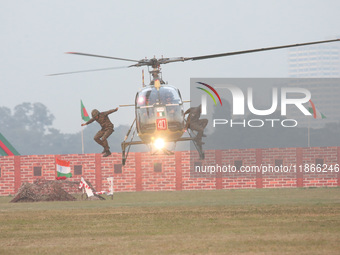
(107, 128)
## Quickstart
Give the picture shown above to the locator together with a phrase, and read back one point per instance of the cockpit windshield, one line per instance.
(164, 96)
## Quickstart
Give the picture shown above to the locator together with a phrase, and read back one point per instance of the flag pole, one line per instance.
(82, 140)
(308, 132)
(82, 133)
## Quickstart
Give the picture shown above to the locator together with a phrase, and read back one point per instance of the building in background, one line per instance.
(317, 61)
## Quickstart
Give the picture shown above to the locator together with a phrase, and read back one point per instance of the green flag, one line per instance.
(6, 149)
(84, 114)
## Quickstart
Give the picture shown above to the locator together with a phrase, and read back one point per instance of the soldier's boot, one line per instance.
(106, 149)
(107, 153)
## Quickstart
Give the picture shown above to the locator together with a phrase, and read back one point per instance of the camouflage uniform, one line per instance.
(107, 128)
(194, 122)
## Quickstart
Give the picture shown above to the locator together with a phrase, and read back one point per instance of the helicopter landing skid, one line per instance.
(198, 146)
(127, 145)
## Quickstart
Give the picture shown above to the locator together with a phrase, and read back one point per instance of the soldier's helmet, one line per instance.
(95, 113)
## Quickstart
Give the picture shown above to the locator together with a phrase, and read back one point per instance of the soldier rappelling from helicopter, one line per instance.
(107, 128)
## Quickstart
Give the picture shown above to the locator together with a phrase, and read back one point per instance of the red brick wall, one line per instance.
(139, 172)
(7, 179)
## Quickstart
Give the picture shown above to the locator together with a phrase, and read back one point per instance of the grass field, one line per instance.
(261, 221)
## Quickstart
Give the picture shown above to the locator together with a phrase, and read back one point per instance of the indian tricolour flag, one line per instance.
(315, 112)
(63, 168)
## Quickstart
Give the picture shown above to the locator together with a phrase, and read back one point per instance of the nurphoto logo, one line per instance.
(287, 96)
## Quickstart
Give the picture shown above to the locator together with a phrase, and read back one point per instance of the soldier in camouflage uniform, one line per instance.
(195, 123)
(107, 128)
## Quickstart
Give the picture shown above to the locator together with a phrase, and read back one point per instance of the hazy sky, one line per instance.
(36, 33)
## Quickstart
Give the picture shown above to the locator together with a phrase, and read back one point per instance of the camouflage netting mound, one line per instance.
(42, 190)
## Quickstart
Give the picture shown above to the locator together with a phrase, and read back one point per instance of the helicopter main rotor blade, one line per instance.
(254, 50)
(156, 62)
(99, 56)
(92, 70)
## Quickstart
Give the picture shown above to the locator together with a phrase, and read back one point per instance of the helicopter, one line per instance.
(159, 111)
